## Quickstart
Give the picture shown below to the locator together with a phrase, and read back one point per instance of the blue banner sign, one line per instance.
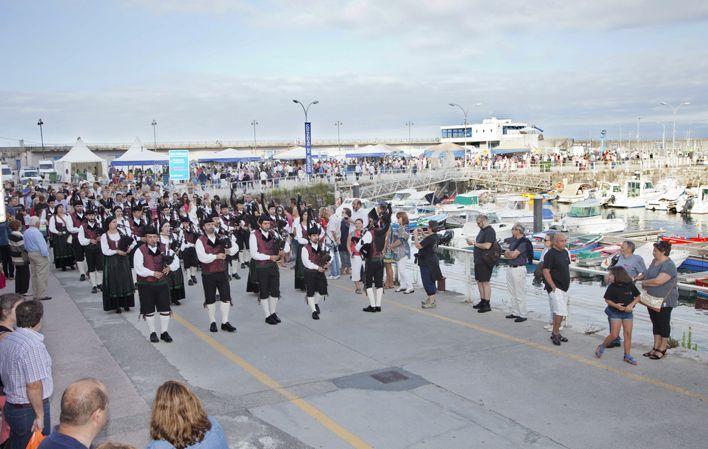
(179, 165)
(308, 148)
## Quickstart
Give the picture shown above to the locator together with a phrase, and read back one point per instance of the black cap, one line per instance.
(264, 217)
(150, 229)
(313, 230)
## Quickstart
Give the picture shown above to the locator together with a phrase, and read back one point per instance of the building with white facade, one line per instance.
(500, 136)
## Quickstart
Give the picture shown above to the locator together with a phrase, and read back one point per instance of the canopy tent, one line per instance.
(378, 150)
(509, 150)
(231, 155)
(138, 155)
(79, 159)
(298, 153)
(447, 148)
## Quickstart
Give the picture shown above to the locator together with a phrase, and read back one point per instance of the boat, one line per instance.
(468, 229)
(595, 257)
(574, 192)
(634, 193)
(575, 244)
(586, 217)
(517, 209)
(695, 202)
(409, 199)
(674, 240)
(669, 193)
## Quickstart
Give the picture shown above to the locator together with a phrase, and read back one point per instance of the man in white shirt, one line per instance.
(266, 251)
(333, 239)
(315, 262)
(359, 214)
(212, 252)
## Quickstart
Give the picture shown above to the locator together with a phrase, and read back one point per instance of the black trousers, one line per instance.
(94, 258)
(22, 279)
(373, 273)
(268, 280)
(77, 248)
(661, 321)
(154, 296)
(7, 266)
(214, 282)
(315, 282)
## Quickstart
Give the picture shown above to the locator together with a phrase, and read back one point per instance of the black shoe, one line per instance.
(45, 298)
(190, 282)
(270, 320)
(118, 310)
(562, 338)
(217, 298)
(556, 339)
(315, 316)
(243, 266)
(94, 290)
(228, 327)
(212, 328)
(100, 287)
(82, 278)
(369, 309)
(511, 316)
(317, 308)
(127, 309)
(194, 279)
(276, 318)
(377, 309)
(153, 338)
(479, 304)
(165, 337)
(484, 307)
(520, 319)
(236, 276)
(615, 343)
(63, 268)
(176, 302)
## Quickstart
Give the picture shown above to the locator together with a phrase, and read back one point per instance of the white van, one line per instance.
(29, 174)
(6, 172)
(46, 167)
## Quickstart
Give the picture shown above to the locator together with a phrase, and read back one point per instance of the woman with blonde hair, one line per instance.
(179, 421)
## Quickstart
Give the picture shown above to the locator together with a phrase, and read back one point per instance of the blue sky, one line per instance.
(104, 69)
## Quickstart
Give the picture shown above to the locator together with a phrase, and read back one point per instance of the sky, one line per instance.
(204, 70)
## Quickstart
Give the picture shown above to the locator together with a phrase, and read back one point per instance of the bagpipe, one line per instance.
(172, 248)
(125, 239)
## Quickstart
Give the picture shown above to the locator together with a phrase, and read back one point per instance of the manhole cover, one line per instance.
(389, 377)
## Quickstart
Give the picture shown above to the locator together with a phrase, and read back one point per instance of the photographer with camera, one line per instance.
(315, 259)
(212, 252)
(152, 269)
(266, 251)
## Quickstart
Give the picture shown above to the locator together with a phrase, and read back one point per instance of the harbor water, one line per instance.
(587, 304)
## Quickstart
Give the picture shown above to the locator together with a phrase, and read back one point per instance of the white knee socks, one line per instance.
(311, 303)
(225, 307)
(150, 320)
(83, 268)
(379, 296)
(272, 302)
(92, 277)
(370, 295)
(211, 310)
(265, 304)
(193, 272)
(164, 322)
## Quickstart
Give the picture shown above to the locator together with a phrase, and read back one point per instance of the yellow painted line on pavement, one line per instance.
(584, 360)
(334, 427)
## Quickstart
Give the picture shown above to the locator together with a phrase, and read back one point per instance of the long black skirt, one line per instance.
(176, 282)
(252, 282)
(299, 270)
(63, 252)
(118, 287)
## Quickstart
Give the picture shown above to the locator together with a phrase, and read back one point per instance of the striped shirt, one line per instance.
(24, 359)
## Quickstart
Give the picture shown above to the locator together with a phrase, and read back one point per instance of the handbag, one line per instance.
(654, 302)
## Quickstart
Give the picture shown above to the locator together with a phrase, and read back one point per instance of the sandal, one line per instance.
(430, 305)
(631, 360)
(599, 351)
(357, 291)
(656, 357)
(648, 354)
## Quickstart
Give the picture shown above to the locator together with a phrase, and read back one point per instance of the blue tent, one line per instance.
(509, 150)
(231, 155)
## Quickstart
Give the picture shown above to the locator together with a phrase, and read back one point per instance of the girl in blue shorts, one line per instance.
(621, 296)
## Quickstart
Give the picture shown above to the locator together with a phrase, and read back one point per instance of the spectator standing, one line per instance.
(26, 371)
(661, 282)
(5, 258)
(179, 421)
(482, 269)
(8, 304)
(556, 274)
(38, 255)
(427, 242)
(20, 259)
(344, 226)
(635, 267)
(84, 412)
(402, 250)
(519, 254)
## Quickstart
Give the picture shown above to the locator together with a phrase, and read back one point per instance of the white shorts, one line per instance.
(559, 302)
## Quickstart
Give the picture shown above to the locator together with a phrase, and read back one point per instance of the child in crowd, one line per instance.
(621, 296)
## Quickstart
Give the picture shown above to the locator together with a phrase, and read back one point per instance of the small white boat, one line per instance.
(695, 202)
(585, 217)
(574, 192)
(634, 193)
(408, 197)
(469, 229)
(669, 193)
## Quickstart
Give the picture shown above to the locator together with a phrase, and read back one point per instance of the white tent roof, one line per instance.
(296, 153)
(231, 155)
(80, 153)
(378, 150)
(137, 155)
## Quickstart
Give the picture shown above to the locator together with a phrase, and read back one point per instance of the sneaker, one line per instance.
(429, 305)
(511, 316)
(377, 309)
(409, 291)
(520, 319)
(479, 304)
(484, 308)
(165, 337)
(276, 319)
(270, 320)
(315, 316)
(369, 309)
(94, 290)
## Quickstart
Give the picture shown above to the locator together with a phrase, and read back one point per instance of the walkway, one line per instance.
(447, 378)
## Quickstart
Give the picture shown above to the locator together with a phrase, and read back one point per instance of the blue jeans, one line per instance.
(334, 267)
(20, 421)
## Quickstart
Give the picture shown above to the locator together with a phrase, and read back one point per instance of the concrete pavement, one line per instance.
(447, 378)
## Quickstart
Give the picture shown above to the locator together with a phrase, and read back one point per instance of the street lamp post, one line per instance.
(154, 133)
(638, 120)
(254, 123)
(338, 124)
(308, 136)
(409, 124)
(674, 110)
(663, 136)
(41, 133)
(464, 125)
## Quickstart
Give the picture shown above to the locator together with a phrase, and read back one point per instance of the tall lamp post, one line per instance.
(674, 110)
(663, 136)
(464, 112)
(154, 133)
(308, 135)
(409, 124)
(41, 133)
(254, 123)
(338, 124)
(638, 120)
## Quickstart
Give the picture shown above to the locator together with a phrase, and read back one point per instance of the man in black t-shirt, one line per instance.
(482, 270)
(556, 274)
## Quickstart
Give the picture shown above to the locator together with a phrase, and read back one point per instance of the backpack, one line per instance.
(492, 255)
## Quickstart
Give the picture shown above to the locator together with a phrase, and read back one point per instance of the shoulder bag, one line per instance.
(655, 302)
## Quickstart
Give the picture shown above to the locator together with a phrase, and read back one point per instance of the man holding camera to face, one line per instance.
(266, 249)
(211, 252)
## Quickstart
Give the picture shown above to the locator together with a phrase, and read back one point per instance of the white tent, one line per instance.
(378, 150)
(231, 155)
(138, 155)
(298, 153)
(80, 158)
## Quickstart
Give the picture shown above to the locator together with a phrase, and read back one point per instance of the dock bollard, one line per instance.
(356, 190)
(441, 284)
(537, 213)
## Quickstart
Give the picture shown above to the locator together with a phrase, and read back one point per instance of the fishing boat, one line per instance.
(585, 217)
(575, 244)
(675, 240)
(645, 251)
(695, 202)
(669, 193)
(574, 192)
(634, 193)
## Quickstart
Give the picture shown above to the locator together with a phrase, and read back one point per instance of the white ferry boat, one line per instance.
(634, 193)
